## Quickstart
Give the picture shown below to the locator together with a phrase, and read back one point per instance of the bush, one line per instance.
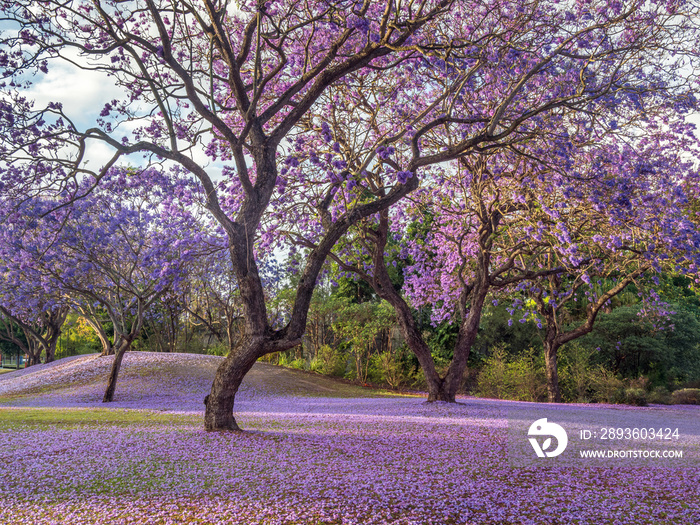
(609, 388)
(606, 386)
(390, 368)
(417, 380)
(633, 396)
(283, 360)
(521, 378)
(576, 373)
(687, 396)
(660, 395)
(328, 361)
(493, 378)
(218, 349)
(299, 364)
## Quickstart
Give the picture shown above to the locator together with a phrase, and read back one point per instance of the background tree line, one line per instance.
(638, 352)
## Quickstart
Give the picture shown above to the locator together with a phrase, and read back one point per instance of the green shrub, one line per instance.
(575, 372)
(634, 396)
(660, 395)
(328, 361)
(606, 386)
(283, 360)
(417, 380)
(390, 368)
(299, 364)
(493, 378)
(521, 377)
(218, 349)
(687, 396)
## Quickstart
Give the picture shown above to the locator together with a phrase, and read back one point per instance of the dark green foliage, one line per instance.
(633, 345)
(494, 330)
(442, 340)
(7, 347)
(357, 291)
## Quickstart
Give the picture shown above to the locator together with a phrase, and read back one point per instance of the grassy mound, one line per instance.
(157, 381)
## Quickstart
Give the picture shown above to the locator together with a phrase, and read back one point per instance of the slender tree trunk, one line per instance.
(218, 412)
(382, 285)
(55, 320)
(33, 351)
(107, 348)
(124, 345)
(550, 360)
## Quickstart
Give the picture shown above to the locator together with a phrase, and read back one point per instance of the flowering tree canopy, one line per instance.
(588, 190)
(109, 255)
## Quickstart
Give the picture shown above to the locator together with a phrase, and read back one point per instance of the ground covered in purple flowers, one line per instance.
(316, 451)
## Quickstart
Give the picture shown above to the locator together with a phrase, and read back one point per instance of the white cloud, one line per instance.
(82, 93)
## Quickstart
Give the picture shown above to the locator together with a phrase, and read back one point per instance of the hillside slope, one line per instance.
(156, 381)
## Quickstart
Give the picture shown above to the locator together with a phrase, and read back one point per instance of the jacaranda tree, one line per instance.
(487, 222)
(245, 83)
(109, 256)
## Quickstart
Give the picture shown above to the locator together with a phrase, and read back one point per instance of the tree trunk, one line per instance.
(107, 348)
(54, 322)
(51, 349)
(550, 360)
(468, 331)
(33, 352)
(218, 412)
(439, 391)
(124, 345)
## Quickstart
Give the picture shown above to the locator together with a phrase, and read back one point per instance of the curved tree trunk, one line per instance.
(93, 321)
(53, 321)
(51, 349)
(218, 412)
(33, 351)
(124, 345)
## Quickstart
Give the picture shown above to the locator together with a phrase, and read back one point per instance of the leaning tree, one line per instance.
(237, 84)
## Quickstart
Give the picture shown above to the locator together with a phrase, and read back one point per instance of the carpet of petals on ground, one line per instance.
(146, 459)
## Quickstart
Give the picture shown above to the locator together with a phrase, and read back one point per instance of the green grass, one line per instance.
(82, 417)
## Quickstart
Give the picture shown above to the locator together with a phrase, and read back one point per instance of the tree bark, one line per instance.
(550, 361)
(94, 322)
(382, 285)
(51, 352)
(218, 412)
(124, 345)
(468, 331)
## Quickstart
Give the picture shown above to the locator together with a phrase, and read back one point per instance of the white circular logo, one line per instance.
(542, 429)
